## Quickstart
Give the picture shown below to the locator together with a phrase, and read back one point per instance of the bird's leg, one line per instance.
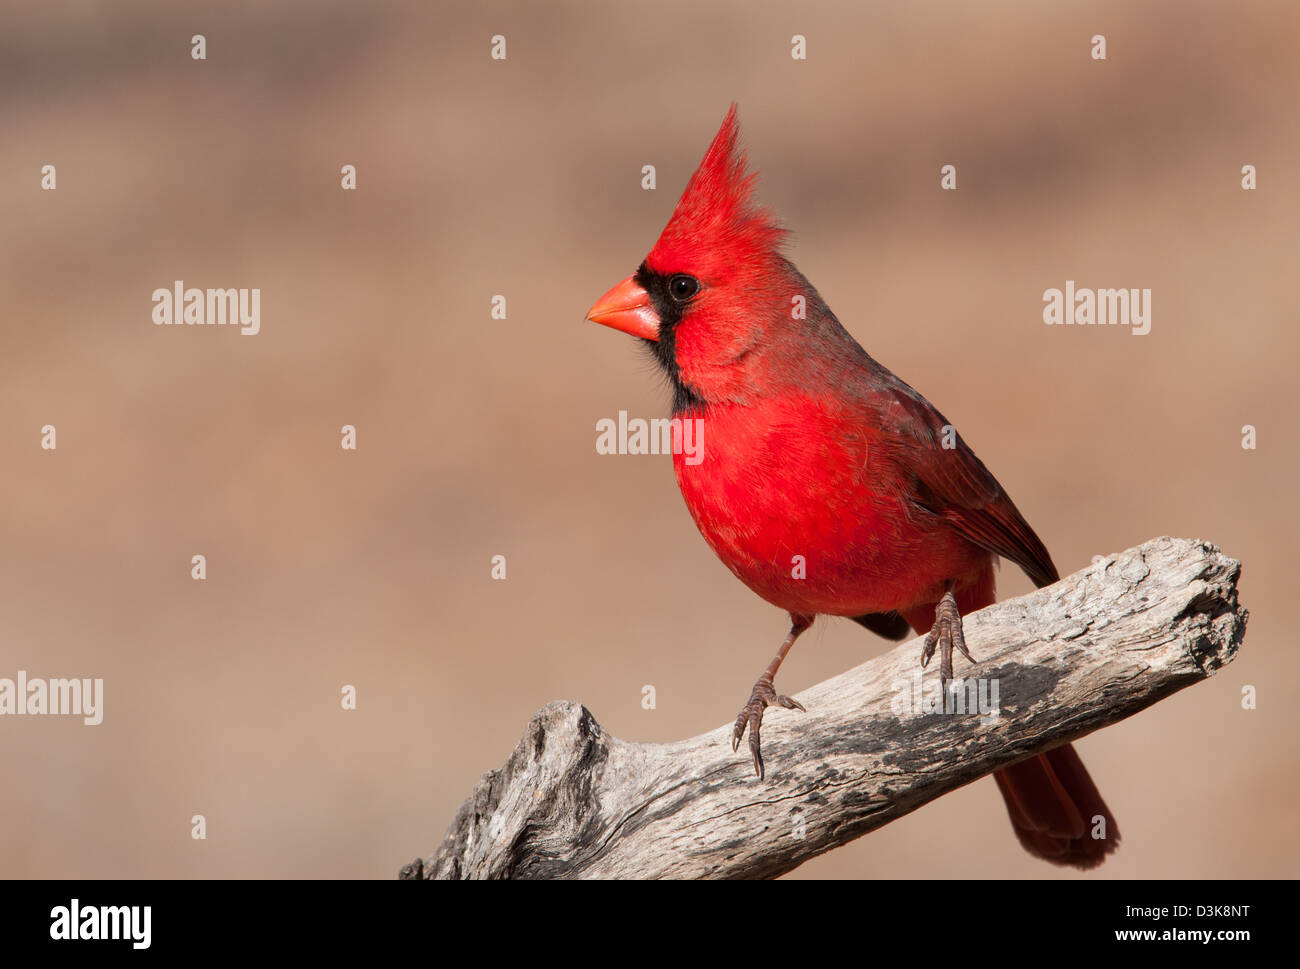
(945, 633)
(765, 695)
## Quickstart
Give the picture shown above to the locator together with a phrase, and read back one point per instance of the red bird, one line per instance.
(814, 449)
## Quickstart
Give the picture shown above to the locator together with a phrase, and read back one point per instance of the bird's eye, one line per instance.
(683, 287)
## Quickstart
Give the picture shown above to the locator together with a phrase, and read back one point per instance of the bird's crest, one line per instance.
(716, 223)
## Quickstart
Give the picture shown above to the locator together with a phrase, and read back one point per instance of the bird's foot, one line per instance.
(945, 634)
(763, 696)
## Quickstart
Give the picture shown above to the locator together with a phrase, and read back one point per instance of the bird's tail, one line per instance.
(1056, 810)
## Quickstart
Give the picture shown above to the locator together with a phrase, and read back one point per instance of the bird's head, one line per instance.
(715, 287)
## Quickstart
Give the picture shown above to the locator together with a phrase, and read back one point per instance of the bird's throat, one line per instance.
(664, 349)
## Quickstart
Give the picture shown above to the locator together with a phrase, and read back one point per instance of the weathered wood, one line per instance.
(1098, 646)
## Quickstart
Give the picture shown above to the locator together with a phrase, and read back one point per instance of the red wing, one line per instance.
(953, 484)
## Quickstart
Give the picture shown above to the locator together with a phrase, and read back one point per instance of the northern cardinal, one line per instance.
(814, 449)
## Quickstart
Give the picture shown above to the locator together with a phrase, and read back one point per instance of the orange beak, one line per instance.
(627, 307)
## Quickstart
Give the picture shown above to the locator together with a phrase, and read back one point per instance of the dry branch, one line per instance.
(1096, 647)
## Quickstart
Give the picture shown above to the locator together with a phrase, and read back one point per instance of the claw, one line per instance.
(751, 718)
(931, 640)
(764, 695)
(945, 634)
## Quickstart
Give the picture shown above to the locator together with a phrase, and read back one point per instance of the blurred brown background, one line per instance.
(476, 437)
